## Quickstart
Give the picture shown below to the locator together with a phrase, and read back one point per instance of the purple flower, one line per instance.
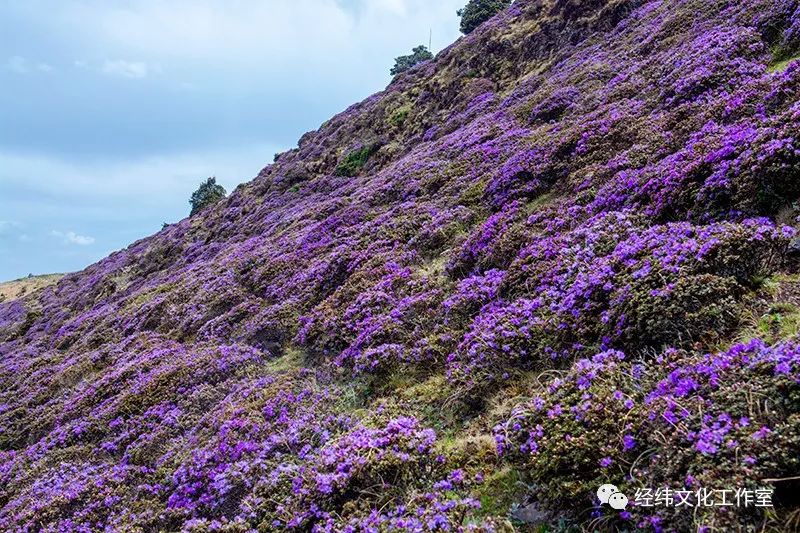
(762, 433)
(628, 442)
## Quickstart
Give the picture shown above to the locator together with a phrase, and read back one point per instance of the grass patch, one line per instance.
(781, 65)
(473, 194)
(399, 116)
(499, 492)
(11, 290)
(292, 359)
(780, 322)
(776, 319)
(146, 296)
(354, 161)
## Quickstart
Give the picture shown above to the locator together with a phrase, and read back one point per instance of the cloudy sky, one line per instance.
(113, 111)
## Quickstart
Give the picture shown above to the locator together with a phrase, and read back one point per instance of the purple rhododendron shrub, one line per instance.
(690, 419)
(561, 254)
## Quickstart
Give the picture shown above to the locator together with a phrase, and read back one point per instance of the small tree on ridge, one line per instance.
(476, 12)
(208, 193)
(403, 63)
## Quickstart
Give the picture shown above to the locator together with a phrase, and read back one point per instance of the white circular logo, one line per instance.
(605, 492)
(618, 501)
(611, 495)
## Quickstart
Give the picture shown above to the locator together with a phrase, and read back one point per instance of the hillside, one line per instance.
(11, 290)
(553, 257)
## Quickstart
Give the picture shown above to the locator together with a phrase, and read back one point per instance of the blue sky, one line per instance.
(112, 112)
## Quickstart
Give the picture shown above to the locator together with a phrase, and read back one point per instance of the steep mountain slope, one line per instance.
(530, 266)
(11, 290)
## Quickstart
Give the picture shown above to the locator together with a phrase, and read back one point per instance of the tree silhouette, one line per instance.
(208, 193)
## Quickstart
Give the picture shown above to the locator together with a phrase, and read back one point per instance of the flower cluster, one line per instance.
(695, 411)
(610, 283)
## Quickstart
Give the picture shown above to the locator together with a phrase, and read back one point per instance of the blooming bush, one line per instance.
(612, 283)
(685, 422)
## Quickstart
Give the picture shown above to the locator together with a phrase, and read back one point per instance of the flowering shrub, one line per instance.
(430, 511)
(554, 107)
(688, 422)
(493, 245)
(371, 465)
(613, 283)
(377, 326)
(568, 437)
(472, 294)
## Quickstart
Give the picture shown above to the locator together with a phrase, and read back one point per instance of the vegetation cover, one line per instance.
(476, 12)
(207, 194)
(403, 63)
(555, 256)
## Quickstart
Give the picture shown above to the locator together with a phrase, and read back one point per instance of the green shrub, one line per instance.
(30, 320)
(403, 63)
(476, 12)
(399, 116)
(207, 194)
(356, 159)
(692, 307)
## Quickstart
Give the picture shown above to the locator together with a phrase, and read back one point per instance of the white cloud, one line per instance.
(70, 237)
(20, 65)
(398, 7)
(126, 69)
(209, 29)
(119, 166)
(6, 226)
(95, 190)
(134, 70)
(276, 38)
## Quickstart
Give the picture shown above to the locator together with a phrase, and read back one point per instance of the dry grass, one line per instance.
(11, 290)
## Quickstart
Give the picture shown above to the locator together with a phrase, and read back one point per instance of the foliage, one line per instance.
(686, 423)
(398, 117)
(403, 63)
(207, 194)
(353, 161)
(476, 12)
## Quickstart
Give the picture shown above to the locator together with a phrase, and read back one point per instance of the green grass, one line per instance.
(780, 66)
(781, 320)
(353, 161)
(399, 116)
(499, 492)
(140, 299)
(473, 194)
(292, 359)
